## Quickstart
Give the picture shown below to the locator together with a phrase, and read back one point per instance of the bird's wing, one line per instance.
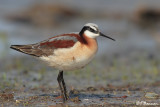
(47, 47)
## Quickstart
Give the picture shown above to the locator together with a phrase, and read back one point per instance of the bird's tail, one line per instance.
(27, 49)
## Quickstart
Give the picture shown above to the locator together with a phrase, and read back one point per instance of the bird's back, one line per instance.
(47, 47)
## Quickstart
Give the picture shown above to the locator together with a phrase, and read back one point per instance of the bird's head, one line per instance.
(91, 30)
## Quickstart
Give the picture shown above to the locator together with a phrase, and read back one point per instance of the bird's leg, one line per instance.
(62, 86)
(65, 90)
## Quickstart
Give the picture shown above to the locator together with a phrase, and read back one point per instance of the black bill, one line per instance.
(101, 34)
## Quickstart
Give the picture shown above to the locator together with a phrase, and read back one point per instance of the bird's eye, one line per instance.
(92, 30)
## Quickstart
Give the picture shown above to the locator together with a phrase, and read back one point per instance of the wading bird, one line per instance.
(66, 52)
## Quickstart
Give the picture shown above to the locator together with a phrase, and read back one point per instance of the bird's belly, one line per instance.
(69, 62)
(70, 59)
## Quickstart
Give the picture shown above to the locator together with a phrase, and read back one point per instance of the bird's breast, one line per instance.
(72, 58)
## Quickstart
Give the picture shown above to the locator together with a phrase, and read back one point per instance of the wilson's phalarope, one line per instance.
(66, 51)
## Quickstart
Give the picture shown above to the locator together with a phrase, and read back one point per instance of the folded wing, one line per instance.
(47, 47)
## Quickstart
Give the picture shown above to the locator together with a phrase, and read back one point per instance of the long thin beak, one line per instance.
(101, 34)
